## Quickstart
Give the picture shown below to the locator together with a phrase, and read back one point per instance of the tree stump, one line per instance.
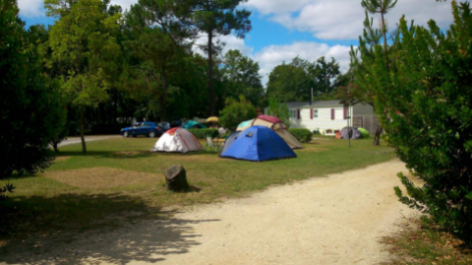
(176, 179)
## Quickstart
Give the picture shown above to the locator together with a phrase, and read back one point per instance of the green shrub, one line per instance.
(203, 133)
(302, 135)
(236, 112)
(425, 95)
(31, 103)
(226, 135)
(279, 110)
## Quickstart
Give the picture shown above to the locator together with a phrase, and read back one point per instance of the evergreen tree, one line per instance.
(372, 37)
(160, 31)
(425, 95)
(29, 105)
(219, 18)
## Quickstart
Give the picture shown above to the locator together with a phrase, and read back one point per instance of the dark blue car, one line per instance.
(150, 129)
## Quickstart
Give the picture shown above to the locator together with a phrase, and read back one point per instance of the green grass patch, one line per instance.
(119, 180)
(421, 241)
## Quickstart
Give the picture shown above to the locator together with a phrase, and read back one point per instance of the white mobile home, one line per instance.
(324, 116)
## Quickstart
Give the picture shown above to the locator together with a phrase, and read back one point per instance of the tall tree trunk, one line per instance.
(210, 73)
(162, 96)
(378, 132)
(81, 128)
(115, 106)
(54, 145)
(384, 31)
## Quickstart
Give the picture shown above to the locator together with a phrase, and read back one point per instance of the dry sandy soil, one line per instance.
(338, 219)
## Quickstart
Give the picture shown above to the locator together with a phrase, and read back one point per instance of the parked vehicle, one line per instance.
(150, 129)
(164, 125)
(175, 122)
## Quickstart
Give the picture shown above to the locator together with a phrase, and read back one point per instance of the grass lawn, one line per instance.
(118, 181)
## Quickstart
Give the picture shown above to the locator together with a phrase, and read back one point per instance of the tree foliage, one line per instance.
(289, 83)
(159, 33)
(236, 111)
(36, 42)
(29, 103)
(219, 18)
(324, 75)
(294, 81)
(83, 39)
(369, 47)
(241, 77)
(279, 110)
(426, 98)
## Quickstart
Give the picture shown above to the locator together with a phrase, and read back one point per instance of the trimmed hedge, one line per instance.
(302, 135)
(203, 133)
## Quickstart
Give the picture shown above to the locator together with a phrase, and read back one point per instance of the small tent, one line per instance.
(230, 140)
(364, 132)
(258, 143)
(244, 125)
(193, 125)
(177, 140)
(276, 125)
(352, 133)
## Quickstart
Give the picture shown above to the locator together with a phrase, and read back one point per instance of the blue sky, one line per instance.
(283, 29)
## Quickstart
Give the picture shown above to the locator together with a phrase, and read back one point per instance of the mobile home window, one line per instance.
(315, 113)
(293, 113)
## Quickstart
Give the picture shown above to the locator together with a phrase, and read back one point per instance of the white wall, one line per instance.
(323, 121)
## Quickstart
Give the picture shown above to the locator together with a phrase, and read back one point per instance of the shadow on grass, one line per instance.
(107, 154)
(311, 143)
(131, 154)
(80, 229)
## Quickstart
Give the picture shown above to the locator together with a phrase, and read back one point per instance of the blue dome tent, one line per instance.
(233, 136)
(258, 143)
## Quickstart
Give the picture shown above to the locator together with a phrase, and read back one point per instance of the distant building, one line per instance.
(327, 116)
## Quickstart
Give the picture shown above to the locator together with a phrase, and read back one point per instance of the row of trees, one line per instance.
(97, 63)
(108, 61)
(294, 81)
(142, 54)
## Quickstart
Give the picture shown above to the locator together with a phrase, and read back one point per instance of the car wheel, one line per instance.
(125, 134)
(152, 134)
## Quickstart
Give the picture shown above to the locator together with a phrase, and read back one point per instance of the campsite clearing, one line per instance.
(61, 206)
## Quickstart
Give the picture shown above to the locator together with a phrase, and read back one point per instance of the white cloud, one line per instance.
(325, 19)
(271, 56)
(342, 19)
(231, 43)
(35, 8)
(31, 8)
(274, 55)
(125, 4)
(276, 6)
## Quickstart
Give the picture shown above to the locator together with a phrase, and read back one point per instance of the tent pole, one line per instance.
(348, 128)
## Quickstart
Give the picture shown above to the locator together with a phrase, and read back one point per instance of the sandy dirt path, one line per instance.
(88, 138)
(338, 219)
